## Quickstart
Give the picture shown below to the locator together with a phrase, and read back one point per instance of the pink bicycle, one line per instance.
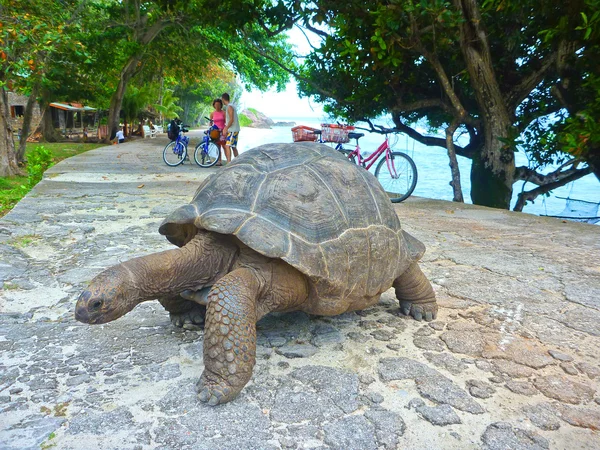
(396, 171)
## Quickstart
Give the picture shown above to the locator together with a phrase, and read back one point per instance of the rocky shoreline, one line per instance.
(260, 120)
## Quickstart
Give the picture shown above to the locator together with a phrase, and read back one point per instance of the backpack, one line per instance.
(173, 130)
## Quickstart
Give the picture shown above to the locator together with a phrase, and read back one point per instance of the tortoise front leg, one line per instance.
(415, 294)
(229, 336)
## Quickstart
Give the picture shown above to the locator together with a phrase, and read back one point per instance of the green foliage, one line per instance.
(244, 120)
(38, 161)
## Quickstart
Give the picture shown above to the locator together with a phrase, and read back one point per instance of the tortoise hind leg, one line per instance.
(229, 336)
(184, 313)
(415, 294)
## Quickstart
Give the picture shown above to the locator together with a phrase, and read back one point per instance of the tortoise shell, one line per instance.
(308, 205)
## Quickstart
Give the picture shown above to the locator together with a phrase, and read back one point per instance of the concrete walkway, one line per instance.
(511, 362)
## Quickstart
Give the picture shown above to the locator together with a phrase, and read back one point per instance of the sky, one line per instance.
(285, 104)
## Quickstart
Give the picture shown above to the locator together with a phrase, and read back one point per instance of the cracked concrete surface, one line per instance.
(511, 361)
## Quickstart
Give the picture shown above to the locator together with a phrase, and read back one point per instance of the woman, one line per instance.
(218, 118)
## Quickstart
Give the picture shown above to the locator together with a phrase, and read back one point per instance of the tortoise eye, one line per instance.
(97, 304)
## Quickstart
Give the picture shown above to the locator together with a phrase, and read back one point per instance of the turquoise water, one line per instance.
(433, 168)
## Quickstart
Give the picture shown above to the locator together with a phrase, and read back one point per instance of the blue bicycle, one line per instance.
(207, 153)
(175, 152)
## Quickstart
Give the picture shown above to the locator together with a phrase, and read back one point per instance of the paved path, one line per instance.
(511, 362)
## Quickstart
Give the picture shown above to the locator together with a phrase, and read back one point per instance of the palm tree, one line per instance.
(168, 107)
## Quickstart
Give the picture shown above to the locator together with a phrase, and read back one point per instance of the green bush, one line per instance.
(38, 161)
(244, 120)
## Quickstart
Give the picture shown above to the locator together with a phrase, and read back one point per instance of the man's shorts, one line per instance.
(232, 138)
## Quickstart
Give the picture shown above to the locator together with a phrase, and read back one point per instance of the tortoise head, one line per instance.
(108, 297)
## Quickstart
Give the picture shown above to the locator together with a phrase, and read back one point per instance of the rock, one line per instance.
(590, 370)
(480, 389)
(366, 378)
(297, 350)
(568, 368)
(502, 436)
(358, 337)
(441, 415)
(512, 369)
(383, 335)
(284, 124)
(424, 331)
(429, 343)
(395, 347)
(463, 342)
(438, 326)
(542, 416)
(446, 361)
(562, 389)
(351, 433)
(389, 426)
(442, 390)
(521, 351)
(259, 120)
(521, 387)
(580, 417)
(403, 368)
(560, 356)
(325, 334)
(430, 383)
(339, 385)
(484, 364)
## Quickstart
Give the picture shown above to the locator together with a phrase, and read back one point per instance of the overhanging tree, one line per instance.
(495, 70)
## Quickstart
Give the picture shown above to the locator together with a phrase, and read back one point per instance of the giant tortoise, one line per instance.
(285, 227)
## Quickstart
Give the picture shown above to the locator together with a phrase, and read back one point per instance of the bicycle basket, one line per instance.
(303, 133)
(215, 134)
(335, 133)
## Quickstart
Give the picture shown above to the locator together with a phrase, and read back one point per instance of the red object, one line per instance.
(304, 133)
(335, 133)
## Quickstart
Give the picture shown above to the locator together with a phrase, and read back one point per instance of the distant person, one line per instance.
(120, 137)
(232, 128)
(218, 118)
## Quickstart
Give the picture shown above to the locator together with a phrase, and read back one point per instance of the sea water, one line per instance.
(433, 167)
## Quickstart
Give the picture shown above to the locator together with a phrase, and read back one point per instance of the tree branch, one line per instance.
(529, 83)
(529, 175)
(526, 196)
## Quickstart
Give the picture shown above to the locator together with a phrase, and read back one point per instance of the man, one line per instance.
(232, 128)
(120, 137)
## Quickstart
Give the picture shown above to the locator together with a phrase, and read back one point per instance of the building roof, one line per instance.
(72, 107)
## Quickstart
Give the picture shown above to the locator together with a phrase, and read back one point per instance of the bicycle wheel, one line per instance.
(174, 153)
(209, 157)
(401, 182)
(347, 153)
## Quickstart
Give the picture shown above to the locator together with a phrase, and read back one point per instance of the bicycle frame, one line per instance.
(368, 162)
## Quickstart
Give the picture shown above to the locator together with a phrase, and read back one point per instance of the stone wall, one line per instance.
(16, 109)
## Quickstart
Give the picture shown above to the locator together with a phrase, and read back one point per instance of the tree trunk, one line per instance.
(492, 171)
(455, 183)
(26, 128)
(116, 101)
(8, 156)
(46, 126)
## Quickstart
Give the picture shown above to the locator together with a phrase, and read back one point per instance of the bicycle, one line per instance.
(397, 172)
(207, 153)
(175, 152)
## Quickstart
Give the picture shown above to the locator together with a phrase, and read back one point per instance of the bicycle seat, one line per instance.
(353, 135)
(317, 132)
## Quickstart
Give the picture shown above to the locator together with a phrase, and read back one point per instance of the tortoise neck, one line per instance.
(199, 263)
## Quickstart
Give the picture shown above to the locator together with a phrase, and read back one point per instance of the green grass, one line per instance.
(13, 189)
